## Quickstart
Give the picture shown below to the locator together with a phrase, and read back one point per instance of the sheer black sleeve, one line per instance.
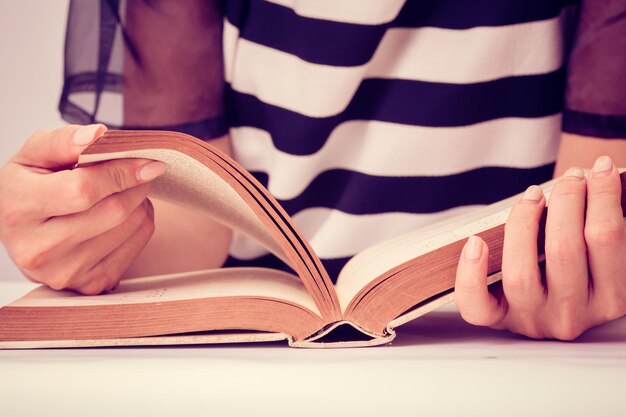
(595, 103)
(145, 64)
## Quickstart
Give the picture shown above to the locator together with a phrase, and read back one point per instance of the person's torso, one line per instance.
(368, 119)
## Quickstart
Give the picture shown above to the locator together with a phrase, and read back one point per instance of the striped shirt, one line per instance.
(368, 119)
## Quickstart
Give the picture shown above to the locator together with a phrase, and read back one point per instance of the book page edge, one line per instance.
(206, 339)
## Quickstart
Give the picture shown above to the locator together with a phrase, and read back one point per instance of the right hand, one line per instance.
(77, 229)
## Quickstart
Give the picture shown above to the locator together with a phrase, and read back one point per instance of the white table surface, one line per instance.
(437, 366)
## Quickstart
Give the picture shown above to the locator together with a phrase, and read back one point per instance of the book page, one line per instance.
(368, 265)
(203, 177)
(188, 182)
(227, 282)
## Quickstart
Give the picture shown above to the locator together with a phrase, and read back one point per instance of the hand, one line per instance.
(584, 282)
(80, 228)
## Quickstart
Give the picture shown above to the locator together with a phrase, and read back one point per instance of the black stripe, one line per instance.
(357, 193)
(313, 40)
(348, 44)
(332, 266)
(266, 261)
(406, 102)
(455, 14)
(594, 125)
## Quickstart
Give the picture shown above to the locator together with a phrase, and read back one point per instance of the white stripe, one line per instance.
(285, 80)
(426, 54)
(469, 56)
(335, 234)
(365, 12)
(388, 149)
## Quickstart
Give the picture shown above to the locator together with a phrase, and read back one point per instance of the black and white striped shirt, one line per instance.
(367, 119)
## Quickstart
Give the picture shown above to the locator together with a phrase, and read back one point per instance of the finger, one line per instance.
(107, 273)
(473, 299)
(57, 149)
(93, 251)
(521, 278)
(566, 261)
(36, 249)
(106, 243)
(74, 191)
(107, 214)
(605, 235)
(66, 266)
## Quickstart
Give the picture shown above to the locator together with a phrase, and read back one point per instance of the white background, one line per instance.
(31, 72)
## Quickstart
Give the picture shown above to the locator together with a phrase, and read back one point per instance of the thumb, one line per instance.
(473, 299)
(57, 149)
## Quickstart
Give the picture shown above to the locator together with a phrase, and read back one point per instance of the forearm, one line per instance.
(184, 240)
(582, 151)
(169, 81)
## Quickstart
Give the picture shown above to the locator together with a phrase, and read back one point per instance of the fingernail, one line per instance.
(151, 170)
(603, 165)
(575, 172)
(84, 135)
(473, 249)
(533, 193)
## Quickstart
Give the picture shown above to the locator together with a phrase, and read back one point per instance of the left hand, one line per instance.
(584, 282)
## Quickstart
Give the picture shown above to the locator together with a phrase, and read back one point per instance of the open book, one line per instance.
(378, 290)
